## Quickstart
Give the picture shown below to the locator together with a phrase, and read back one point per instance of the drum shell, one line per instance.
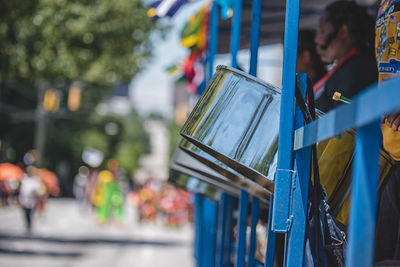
(199, 157)
(182, 162)
(192, 184)
(236, 121)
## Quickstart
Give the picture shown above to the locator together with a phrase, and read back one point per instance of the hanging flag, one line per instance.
(172, 69)
(199, 79)
(194, 71)
(165, 8)
(175, 71)
(194, 34)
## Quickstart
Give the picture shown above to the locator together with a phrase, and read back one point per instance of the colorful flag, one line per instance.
(194, 71)
(162, 8)
(172, 69)
(195, 32)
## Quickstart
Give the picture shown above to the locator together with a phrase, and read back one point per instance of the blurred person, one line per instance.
(146, 208)
(79, 186)
(175, 205)
(4, 193)
(387, 43)
(30, 194)
(308, 60)
(345, 40)
(91, 186)
(109, 199)
(148, 196)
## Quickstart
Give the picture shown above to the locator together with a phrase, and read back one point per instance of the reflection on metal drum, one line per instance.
(191, 157)
(236, 121)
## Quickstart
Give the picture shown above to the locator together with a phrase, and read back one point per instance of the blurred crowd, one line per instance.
(155, 200)
(109, 192)
(105, 192)
(29, 187)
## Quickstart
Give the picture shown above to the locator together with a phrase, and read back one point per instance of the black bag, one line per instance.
(325, 242)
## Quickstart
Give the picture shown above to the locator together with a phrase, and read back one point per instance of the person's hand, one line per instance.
(393, 121)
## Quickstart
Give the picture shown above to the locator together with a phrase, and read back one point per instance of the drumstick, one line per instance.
(338, 97)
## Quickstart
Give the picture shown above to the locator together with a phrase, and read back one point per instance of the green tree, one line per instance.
(97, 42)
(54, 43)
(66, 141)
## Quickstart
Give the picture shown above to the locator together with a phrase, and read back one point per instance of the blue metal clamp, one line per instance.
(285, 183)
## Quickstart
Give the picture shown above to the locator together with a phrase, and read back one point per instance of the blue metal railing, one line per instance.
(284, 175)
(289, 202)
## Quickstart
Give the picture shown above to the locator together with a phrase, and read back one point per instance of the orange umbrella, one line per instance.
(10, 171)
(50, 181)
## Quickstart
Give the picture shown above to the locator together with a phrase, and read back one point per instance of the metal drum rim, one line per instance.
(244, 182)
(209, 196)
(250, 77)
(257, 190)
(205, 179)
(215, 154)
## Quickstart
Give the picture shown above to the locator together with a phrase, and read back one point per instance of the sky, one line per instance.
(151, 90)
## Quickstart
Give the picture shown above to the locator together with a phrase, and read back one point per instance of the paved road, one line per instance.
(65, 237)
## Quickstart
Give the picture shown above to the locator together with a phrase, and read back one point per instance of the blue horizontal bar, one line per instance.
(368, 106)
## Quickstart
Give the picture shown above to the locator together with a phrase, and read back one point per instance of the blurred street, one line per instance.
(64, 236)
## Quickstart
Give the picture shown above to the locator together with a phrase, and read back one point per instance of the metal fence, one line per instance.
(288, 207)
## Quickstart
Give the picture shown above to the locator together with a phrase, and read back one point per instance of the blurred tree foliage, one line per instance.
(97, 42)
(126, 142)
(54, 43)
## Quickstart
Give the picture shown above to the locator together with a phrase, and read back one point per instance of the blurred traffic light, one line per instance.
(74, 98)
(51, 100)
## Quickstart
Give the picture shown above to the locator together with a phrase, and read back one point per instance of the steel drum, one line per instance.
(236, 120)
(193, 185)
(226, 174)
(194, 162)
(184, 163)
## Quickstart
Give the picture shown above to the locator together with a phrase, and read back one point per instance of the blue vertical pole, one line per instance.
(297, 236)
(254, 41)
(225, 230)
(209, 238)
(253, 240)
(255, 36)
(213, 42)
(364, 197)
(241, 228)
(271, 238)
(198, 226)
(283, 178)
(235, 31)
(229, 233)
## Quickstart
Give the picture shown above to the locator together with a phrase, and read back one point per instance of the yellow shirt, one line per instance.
(387, 50)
